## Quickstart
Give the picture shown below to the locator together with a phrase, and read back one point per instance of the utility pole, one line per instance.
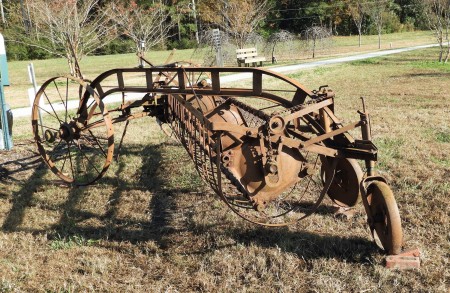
(2, 12)
(178, 23)
(26, 21)
(195, 19)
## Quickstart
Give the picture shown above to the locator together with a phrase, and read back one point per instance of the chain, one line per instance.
(269, 153)
(299, 106)
(255, 112)
(263, 117)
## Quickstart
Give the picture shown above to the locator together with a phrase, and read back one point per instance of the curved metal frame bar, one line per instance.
(183, 87)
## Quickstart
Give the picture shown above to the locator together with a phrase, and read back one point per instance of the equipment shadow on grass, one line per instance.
(12, 168)
(22, 198)
(71, 211)
(113, 226)
(159, 224)
(308, 245)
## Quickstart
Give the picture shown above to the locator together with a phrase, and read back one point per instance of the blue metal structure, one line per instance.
(5, 131)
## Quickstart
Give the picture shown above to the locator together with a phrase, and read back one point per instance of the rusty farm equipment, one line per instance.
(270, 148)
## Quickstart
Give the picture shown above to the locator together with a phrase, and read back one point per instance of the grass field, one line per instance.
(150, 225)
(92, 66)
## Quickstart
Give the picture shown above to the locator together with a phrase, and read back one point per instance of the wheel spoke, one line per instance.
(51, 105)
(49, 113)
(53, 152)
(64, 164)
(70, 159)
(88, 139)
(87, 159)
(48, 127)
(94, 124)
(92, 103)
(60, 97)
(66, 155)
(67, 95)
(98, 143)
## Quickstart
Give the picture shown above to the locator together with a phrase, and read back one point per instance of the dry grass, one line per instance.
(151, 226)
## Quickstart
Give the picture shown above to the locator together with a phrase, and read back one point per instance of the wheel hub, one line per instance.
(68, 131)
(50, 136)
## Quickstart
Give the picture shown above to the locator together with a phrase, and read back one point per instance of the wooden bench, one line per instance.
(248, 56)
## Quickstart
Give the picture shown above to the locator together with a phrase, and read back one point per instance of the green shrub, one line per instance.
(184, 43)
(18, 51)
(391, 23)
(117, 46)
(35, 53)
(15, 51)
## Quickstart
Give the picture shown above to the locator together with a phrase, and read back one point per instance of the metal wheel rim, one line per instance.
(344, 190)
(72, 143)
(386, 218)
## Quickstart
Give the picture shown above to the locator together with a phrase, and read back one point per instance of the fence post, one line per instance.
(32, 76)
(218, 47)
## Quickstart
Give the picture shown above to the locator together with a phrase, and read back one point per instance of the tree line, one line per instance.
(36, 29)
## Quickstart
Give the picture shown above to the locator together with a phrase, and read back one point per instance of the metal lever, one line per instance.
(366, 134)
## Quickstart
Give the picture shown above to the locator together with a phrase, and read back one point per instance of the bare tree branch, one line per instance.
(317, 36)
(238, 18)
(376, 10)
(357, 11)
(149, 26)
(438, 16)
(70, 28)
(280, 37)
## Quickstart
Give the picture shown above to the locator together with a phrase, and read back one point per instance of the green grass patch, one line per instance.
(6, 286)
(321, 70)
(431, 65)
(390, 150)
(297, 75)
(70, 242)
(390, 99)
(443, 137)
(444, 162)
(370, 61)
(395, 39)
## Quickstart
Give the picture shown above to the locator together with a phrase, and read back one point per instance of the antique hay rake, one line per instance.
(269, 147)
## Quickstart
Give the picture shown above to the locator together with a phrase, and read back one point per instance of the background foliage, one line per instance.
(189, 17)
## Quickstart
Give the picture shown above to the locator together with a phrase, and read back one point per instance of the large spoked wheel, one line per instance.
(344, 189)
(76, 144)
(386, 223)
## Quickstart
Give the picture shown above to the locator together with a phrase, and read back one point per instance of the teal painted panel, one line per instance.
(4, 70)
(6, 140)
(3, 62)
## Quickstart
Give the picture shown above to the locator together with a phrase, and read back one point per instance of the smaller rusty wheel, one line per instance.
(344, 189)
(385, 219)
